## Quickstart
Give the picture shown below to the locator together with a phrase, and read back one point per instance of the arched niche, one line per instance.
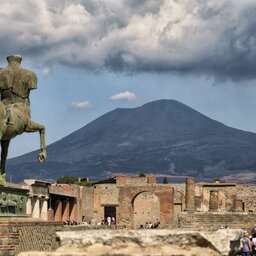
(146, 208)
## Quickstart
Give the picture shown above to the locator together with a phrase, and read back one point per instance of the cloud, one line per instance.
(213, 38)
(45, 70)
(82, 105)
(130, 96)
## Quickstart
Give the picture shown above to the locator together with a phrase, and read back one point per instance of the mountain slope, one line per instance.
(163, 136)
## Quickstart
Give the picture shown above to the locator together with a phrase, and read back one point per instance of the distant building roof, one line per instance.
(37, 182)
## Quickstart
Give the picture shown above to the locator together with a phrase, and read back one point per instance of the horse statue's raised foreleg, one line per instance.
(4, 152)
(34, 127)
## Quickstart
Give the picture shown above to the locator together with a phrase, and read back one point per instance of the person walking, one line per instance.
(109, 220)
(246, 245)
(253, 243)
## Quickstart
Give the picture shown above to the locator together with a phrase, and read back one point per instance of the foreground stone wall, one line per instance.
(29, 235)
(146, 242)
(38, 237)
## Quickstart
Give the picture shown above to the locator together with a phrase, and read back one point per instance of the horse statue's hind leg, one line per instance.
(4, 146)
(34, 127)
(4, 143)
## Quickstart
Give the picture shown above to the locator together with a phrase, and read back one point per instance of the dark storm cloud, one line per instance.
(213, 38)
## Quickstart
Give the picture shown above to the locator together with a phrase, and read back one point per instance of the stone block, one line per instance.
(145, 242)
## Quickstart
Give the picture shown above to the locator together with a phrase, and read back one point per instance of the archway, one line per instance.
(146, 208)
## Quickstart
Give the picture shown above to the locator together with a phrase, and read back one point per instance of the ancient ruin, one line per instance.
(134, 202)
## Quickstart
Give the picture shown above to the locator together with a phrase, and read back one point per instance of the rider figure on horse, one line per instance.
(16, 83)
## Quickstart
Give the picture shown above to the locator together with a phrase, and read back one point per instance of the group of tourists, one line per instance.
(248, 246)
(109, 221)
(151, 225)
(71, 223)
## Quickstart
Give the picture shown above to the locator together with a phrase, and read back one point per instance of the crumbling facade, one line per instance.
(211, 197)
(132, 201)
(64, 203)
(38, 197)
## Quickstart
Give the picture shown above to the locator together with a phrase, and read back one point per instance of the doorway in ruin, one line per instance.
(146, 208)
(177, 209)
(214, 201)
(109, 211)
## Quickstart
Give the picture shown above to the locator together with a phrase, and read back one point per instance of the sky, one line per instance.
(92, 56)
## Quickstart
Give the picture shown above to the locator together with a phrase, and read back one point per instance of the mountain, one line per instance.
(163, 136)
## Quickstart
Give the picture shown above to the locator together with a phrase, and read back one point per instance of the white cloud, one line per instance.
(130, 96)
(82, 105)
(213, 37)
(46, 70)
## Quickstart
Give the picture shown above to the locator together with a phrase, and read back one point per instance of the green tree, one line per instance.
(165, 180)
(84, 183)
(142, 174)
(67, 180)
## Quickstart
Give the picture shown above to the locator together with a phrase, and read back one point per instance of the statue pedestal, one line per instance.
(13, 200)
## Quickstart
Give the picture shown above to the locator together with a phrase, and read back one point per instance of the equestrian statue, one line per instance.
(15, 85)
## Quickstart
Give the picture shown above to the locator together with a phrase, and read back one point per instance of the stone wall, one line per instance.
(104, 194)
(216, 197)
(215, 220)
(66, 202)
(146, 242)
(87, 203)
(135, 180)
(38, 237)
(127, 194)
(29, 236)
(179, 187)
(247, 193)
(65, 190)
(146, 208)
(179, 202)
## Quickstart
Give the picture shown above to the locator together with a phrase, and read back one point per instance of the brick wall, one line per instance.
(29, 236)
(87, 203)
(104, 194)
(127, 194)
(135, 180)
(65, 190)
(146, 208)
(39, 237)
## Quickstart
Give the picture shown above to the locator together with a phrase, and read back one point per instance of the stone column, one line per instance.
(73, 213)
(190, 194)
(66, 211)
(44, 213)
(29, 205)
(36, 209)
(58, 211)
(50, 214)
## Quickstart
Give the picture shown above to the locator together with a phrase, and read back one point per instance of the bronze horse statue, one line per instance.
(15, 85)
